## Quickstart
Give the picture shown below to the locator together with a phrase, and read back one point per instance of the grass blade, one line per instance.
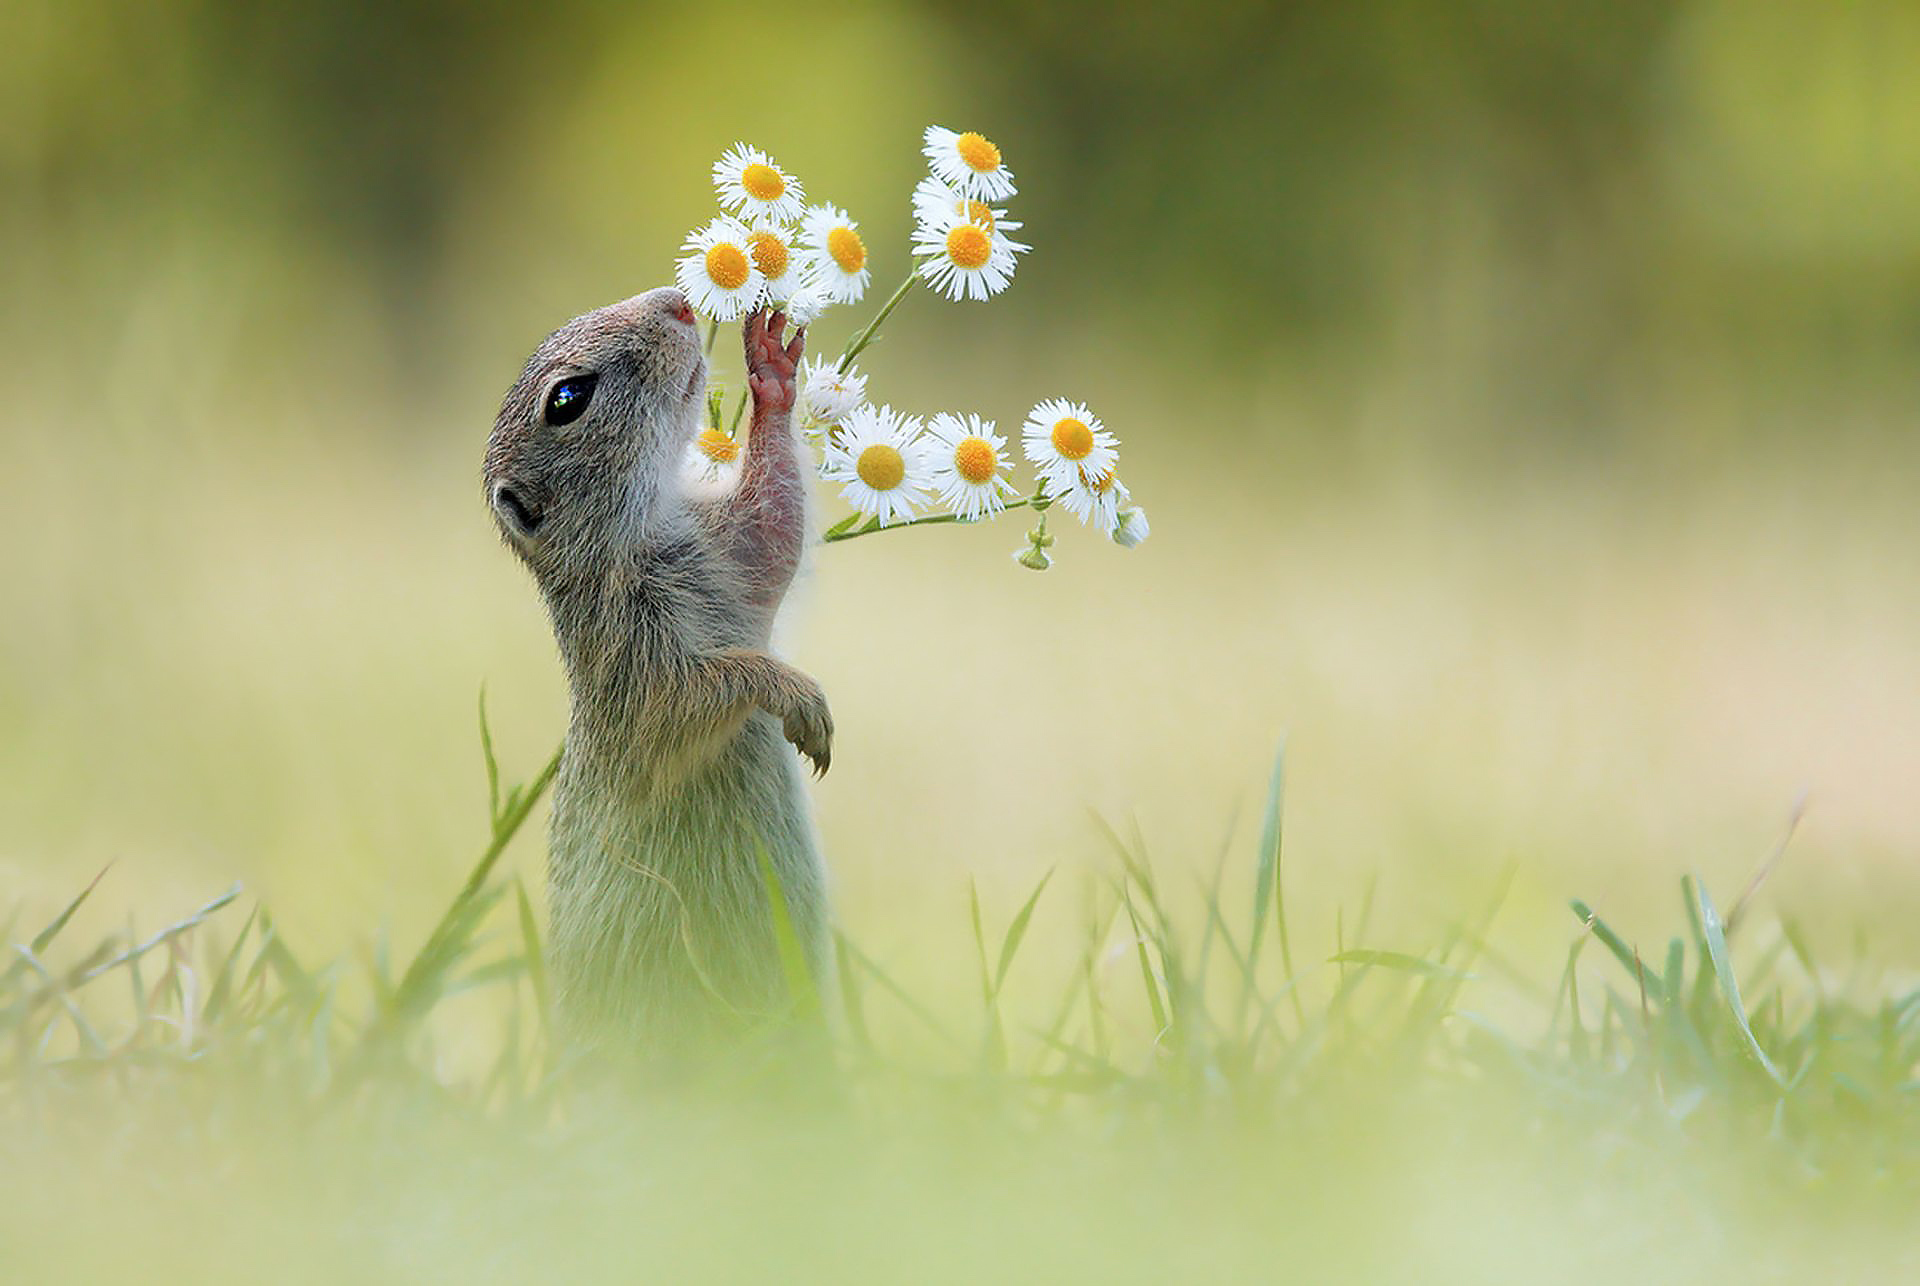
(223, 979)
(898, 992)
(493, 764)
(52, 931)
(449, 936)
(1613, 942)
(1269, 884)
(852, 999)
(1716, 944)
(536, 958)
(1160, 1023)
(1015, 932)
(1402, 961)
(979, 940)
(801, 988)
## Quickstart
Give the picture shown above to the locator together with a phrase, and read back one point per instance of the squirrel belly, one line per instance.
(661, 924)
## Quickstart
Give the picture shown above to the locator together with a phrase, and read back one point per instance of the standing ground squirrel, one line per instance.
(676, 776)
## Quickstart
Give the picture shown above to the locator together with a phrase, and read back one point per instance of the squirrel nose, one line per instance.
(680, 309)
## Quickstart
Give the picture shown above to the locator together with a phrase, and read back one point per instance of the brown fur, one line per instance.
(676, 775)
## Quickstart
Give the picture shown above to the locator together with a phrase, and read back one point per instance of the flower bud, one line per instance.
(806, 304)
(1033, 557)
(1131, 528)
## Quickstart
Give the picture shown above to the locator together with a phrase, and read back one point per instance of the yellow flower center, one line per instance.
(1103, 483)
(975, 460)
(969, 246)
(1072, 438)
(717, 446)
(881, 467)
(847, 249)
(977, 212)
(763, 182)
(977, 152)
(769, 255)
(727, 266)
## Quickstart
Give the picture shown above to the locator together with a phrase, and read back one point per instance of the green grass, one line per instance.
(1195, 1103)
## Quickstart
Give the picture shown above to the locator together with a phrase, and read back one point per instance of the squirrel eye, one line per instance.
(569, 398)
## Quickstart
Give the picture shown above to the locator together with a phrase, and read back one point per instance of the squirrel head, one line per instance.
(593, 429)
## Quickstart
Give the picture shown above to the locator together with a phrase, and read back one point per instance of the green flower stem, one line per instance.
(1041, 503)
(846, 530)
(738, 408)
(865, 337)
(713, 330)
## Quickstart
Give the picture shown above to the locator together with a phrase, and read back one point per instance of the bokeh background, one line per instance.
(1523, 393)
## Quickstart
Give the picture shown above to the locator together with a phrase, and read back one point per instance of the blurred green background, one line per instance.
(1523, 394)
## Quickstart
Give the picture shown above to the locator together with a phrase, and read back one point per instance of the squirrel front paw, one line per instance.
(808, 724)
(770, 366)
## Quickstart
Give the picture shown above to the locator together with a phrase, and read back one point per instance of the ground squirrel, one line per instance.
(676, 775)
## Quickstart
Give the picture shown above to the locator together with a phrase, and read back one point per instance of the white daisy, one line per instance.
(1131, 528)
(773, 255)
(828, 394)
(753, 187)
(1061, 438)
(716, 271)
(934, 200)
(835, 255)
(962, 259)
(1095, 498)
(713, 457)
(807, 302)
(882, 459)
(968, 463)
(969, 163)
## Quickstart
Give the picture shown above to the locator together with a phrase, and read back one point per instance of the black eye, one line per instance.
(569, 398)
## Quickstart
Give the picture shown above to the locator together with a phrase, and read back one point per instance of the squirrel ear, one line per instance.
(520, 517)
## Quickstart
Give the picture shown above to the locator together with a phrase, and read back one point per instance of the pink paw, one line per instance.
(770, 367)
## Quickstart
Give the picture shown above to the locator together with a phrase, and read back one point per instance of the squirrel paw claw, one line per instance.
(809, 726)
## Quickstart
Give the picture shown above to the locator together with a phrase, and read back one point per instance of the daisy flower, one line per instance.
(1062, 438)
(934, 200)
(1095, 498)
(882, 461)
(835, 254)
(807, 302)
(968, 458)
(712, 456)
(828, 394)
(772, 251)
(753, 187)
(716, 271)
(1131, 528)
(962, 259)
(969, 163)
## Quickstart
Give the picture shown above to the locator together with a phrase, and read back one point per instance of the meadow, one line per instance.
(1441, 1069)
(1195, 1101)
(1471, 840)
(1502, 686)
